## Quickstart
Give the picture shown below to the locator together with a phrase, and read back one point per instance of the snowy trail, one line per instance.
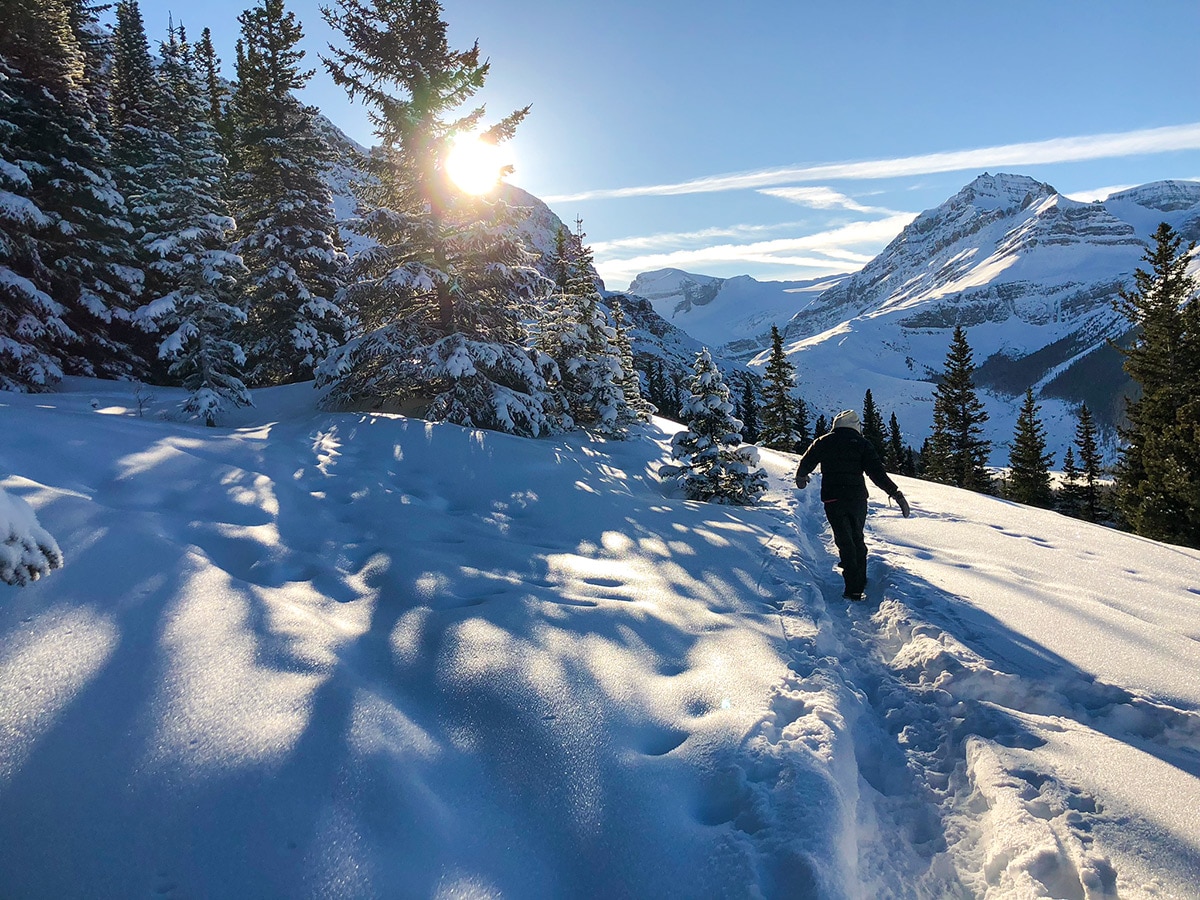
(951, 747)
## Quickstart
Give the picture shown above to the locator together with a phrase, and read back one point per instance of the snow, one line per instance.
(318, 654)
(717, 312)
(27, 551)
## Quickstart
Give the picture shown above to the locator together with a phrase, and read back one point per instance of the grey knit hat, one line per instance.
(847, 418)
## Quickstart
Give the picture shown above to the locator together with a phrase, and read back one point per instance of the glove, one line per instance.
(801, 480)
(903, 503)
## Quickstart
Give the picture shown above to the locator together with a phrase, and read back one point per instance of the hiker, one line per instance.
(844, 456)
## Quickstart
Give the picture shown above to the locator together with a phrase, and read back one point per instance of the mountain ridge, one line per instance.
(1030, 273)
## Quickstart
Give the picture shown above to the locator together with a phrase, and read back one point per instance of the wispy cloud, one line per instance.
(824, 253)
(1097, 193)
(678, 238)
(820, 198)
(1056, 150)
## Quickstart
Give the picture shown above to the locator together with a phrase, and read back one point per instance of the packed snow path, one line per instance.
(345, 655)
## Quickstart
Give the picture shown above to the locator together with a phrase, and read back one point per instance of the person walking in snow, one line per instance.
(844, 456)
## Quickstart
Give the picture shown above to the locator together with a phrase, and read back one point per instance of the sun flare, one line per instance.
(475, 165)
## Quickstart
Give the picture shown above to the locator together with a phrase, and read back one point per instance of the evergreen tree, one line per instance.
(32, 330)
(286, 227)
(911, 466)
(95, 45)
(599, 399)
(1070, 494)
(778, 409)
(748, 411)
(637, 408)
(576, 335)
(561, 265)
(661, 390)
(872, 422)
(894, 457)
(804, 436)
(139, 135)
(1090, 462)
(66, 235)
(216, 92)
(712, 462)
(1158, 477)
(195, 274)
(821, 427)
(443, 296)
(1029, 463)
(957, 452)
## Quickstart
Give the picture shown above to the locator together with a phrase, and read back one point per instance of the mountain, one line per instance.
(358, 655)
(733, 315)
(1032, 276)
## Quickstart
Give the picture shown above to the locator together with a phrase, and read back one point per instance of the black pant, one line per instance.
(847, 518)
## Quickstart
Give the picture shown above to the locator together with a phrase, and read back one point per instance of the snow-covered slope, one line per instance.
(730, 315)
(362, 655)
(1031, 275)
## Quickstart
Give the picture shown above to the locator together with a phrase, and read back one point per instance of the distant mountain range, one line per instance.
(1031, 275)
(734, 314)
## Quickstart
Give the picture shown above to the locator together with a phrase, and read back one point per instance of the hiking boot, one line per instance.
(849, 596)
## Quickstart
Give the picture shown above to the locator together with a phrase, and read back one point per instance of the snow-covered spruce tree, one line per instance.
(284, 209)
(443, 297)
(872, 422)
(1089, 462)
(56, 158)
(216, 91)
(636, 407)
(957, 452)
(575, 333)
(778, 410)
(1028, 461)
(1158, 476)
(712, 463)
(27, 550)
(593, 376)
(140, 134)
(194, 274)
(32, 331)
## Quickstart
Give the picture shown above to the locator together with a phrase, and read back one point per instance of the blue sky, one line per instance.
(791, 140)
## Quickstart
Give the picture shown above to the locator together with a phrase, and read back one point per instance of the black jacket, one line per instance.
(845, 456)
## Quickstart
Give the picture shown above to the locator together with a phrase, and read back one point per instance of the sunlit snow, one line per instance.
(352, 655)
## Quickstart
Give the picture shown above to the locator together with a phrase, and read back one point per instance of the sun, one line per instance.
(475, 165)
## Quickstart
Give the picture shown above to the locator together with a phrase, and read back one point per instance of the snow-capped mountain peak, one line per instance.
(1001, 192)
